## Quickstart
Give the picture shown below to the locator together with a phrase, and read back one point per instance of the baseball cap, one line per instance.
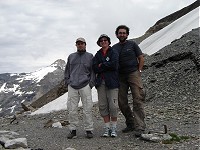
(80, 40)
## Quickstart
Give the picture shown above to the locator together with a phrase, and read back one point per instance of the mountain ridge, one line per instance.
(160, 24)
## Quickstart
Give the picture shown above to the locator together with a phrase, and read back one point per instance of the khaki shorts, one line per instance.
(108, 101)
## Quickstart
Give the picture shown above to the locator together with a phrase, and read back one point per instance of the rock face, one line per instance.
(10, 140)
(28, 87)
(51, 95)
(173, 73)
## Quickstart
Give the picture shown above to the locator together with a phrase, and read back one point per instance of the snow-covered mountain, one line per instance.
(16, 88)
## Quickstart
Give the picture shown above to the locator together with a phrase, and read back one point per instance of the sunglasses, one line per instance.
(103, 40)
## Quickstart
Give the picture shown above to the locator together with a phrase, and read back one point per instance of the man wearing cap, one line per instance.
(79, 78)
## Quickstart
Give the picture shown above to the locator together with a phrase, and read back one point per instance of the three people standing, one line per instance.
(116, 69)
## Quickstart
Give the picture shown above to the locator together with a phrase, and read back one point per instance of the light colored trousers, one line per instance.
(108, 101)
(74, 96)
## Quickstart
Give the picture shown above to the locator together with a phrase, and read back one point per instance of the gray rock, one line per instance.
(57, 125)
(155, 137)
(16, 143)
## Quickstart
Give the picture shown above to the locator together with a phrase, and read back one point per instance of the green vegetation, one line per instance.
(175, 138)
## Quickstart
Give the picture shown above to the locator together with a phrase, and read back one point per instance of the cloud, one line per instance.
(35, 33)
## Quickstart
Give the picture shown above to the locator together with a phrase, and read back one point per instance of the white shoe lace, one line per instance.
(106, 133)
(113, 132)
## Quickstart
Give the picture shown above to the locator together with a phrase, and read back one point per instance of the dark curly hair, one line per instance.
(122, 27)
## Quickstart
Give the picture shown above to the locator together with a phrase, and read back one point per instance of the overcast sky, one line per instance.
(35, 33)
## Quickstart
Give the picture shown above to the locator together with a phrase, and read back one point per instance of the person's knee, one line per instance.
(104, 113)
(138, 106)
(114, 113)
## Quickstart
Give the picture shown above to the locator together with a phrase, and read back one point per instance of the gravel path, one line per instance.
(185, 122)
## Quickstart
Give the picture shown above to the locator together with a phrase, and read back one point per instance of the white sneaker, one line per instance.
(107, 132)
(113, 132)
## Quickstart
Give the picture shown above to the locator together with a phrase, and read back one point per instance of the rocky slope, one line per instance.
(173, 73)
(40, 137)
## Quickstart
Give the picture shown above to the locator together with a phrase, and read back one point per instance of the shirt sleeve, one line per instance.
(138, 51)
(92, 76)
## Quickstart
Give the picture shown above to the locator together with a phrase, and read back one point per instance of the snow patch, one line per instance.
(171, 32)
(12, 108)
(37, 75)
(61, 104)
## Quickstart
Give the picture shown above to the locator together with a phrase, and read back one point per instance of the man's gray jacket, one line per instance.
(78, 71)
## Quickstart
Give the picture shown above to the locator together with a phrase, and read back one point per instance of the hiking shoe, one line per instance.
(72, 134)
(139, 132)
(128, 129)
(113, 132)
(107, 132)
(89, 134)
